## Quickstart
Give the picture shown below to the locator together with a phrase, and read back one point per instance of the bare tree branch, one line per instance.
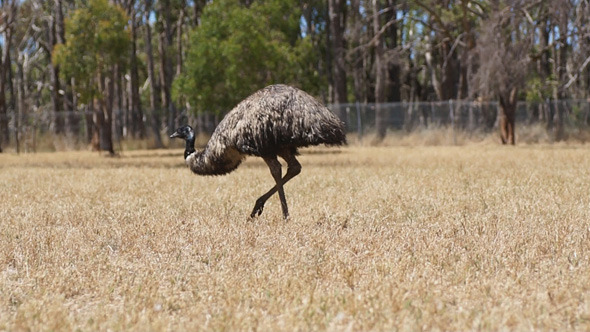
(578, 72)
(437, 18)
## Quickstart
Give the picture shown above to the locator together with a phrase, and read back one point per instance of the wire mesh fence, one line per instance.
(461, 115)
(46, 130)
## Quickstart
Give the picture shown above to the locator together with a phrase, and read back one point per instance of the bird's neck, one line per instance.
(212, 160)
(190, 146)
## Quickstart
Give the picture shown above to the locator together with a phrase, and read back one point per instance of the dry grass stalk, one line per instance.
(382, 238)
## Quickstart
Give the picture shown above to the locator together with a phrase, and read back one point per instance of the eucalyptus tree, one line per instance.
(237, 49)
(128, 95)
(8, 17)
(97, 40)
(30, 57)
(154, 82)
(503, 57)
(337, 10)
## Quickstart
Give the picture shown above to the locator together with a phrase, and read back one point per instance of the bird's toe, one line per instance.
(257, 211)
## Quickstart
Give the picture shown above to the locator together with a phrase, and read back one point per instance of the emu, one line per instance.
(273, 122)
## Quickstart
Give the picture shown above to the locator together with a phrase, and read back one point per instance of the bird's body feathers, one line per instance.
(272, 120)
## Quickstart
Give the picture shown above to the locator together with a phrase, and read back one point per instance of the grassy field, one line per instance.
(477, 237)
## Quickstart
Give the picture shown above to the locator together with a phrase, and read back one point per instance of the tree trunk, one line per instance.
(179, 30)
(104, 114)
(465, 64)
(4, 132)
(336, 12)
(97, 120)
(357, 58)
(56, 102)
(544, 66)
(21, 108)
(91, 128)
(71, 120)
(138, 128)
(119, 104)
(508, 116)
(561, 67)
(166, 64)
(59, 22)
(392, 44)
(449, 71)
(75, 117)
(154, 85)
(380, 77)
(4, 68)
(198, 6)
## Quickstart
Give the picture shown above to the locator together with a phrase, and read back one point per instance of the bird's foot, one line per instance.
(257, 211)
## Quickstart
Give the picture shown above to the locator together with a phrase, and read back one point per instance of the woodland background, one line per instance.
(99, 70)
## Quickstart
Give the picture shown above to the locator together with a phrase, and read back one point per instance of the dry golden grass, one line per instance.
(478, 237)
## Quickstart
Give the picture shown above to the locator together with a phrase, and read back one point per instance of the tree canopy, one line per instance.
(238, 49)
(167, 59)
(96, 38)
(97, 43)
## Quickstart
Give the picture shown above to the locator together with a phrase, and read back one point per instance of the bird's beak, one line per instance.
(175, 134)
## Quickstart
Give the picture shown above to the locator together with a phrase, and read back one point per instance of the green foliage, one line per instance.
(96, 38)
(237, 50)
(538, 90)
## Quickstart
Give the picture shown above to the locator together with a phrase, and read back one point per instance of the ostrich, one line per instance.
(273, 122)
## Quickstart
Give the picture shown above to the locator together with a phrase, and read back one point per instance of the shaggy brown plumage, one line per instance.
(274, 121)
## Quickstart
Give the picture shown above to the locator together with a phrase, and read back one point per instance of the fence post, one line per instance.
(359, 123)
(471, 118)
(17, 124)
(346, 115)
(452, 114)
(432, 114)
(587, 108)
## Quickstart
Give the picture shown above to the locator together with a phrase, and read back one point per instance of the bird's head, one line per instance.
(185, 132)
(188, 134)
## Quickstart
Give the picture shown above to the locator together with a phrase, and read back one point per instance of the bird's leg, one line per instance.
(293, 169)
(275, 170)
